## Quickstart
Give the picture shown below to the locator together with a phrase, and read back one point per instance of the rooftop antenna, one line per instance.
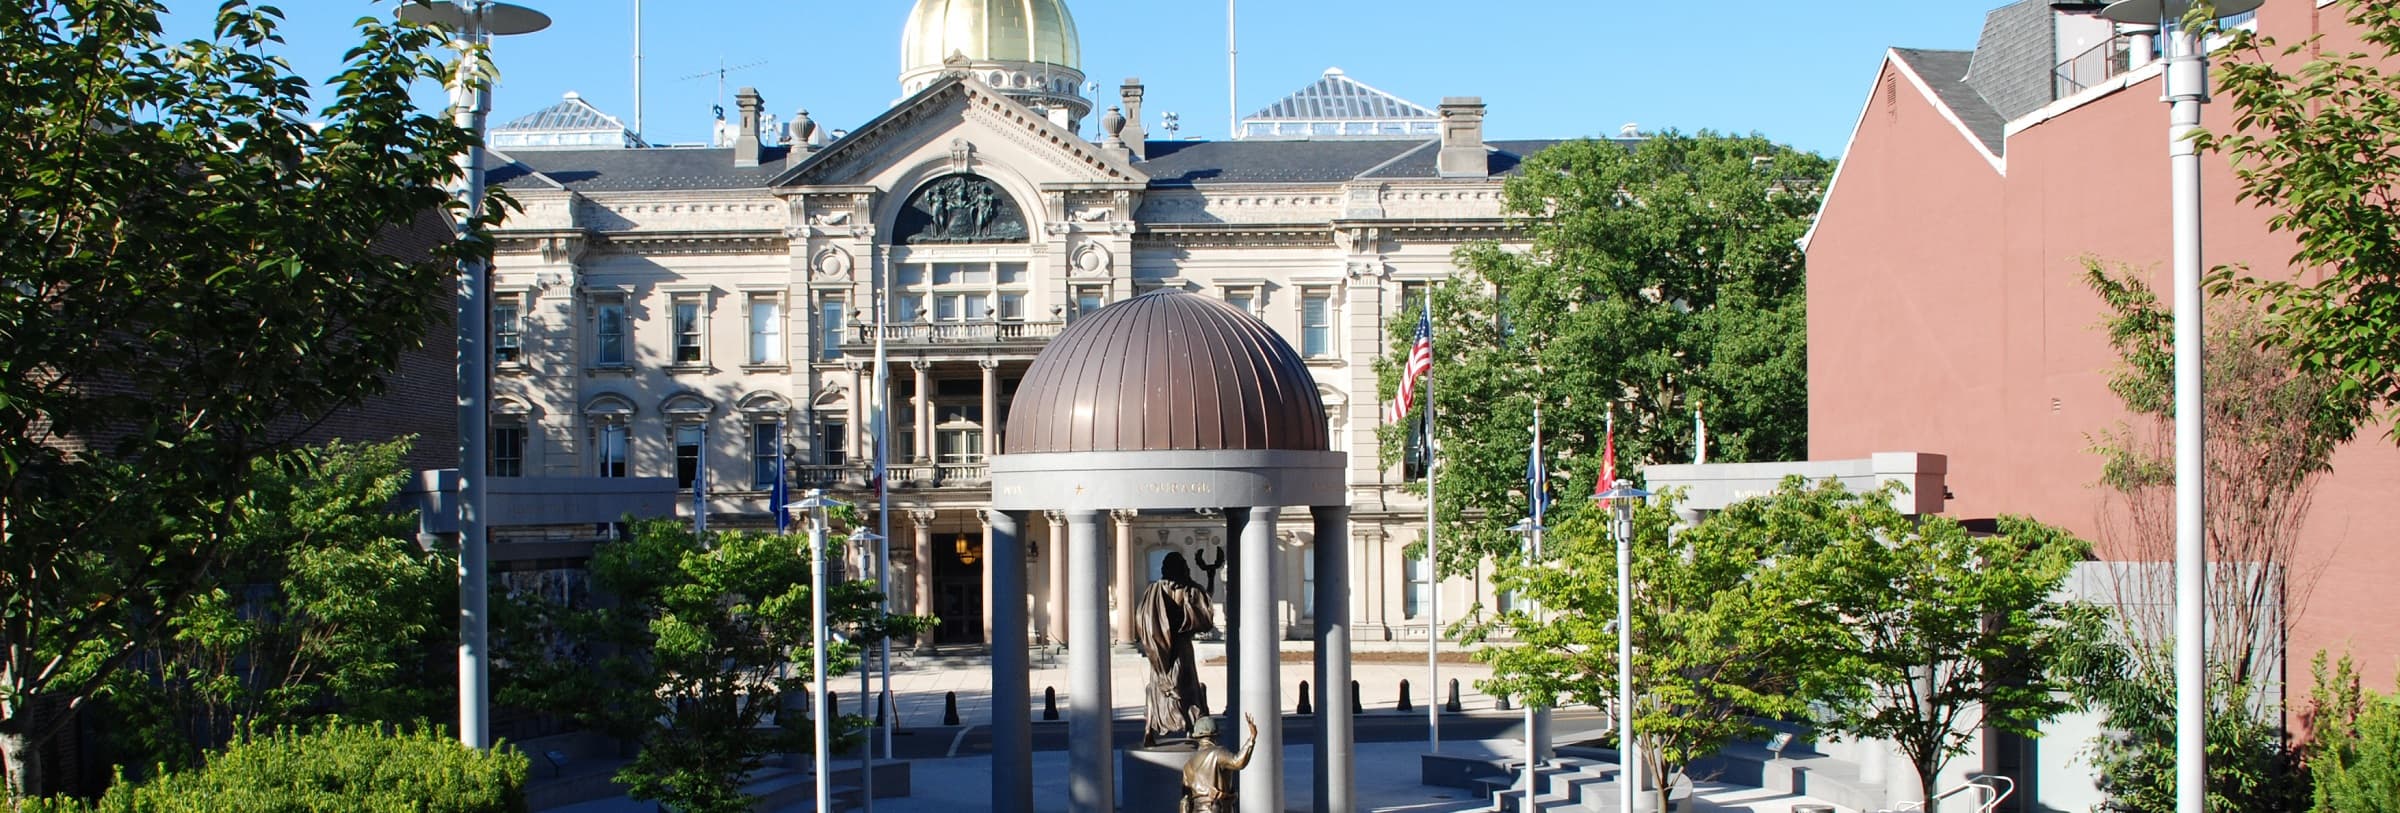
(1233, 75)
(637, 69)
(720, 73)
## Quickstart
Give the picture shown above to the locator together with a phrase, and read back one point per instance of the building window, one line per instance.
(508, 330)
(1308, 581)
(1420, 589)
(961, 291)
(688, 438)
(766, 439)
(608, 333)
(766, 330)
(829, 328)
(958, 433)
(1012, 307)
(833, 443)
(508, 451)
(688, 330)
(1245, 299)
(608, 446)
(1316, 324)
(1089, 298)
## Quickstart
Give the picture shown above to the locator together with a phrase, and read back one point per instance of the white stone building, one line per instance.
(654, 300)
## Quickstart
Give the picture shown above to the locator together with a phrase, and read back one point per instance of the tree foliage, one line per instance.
(1717, 628)
(2354, 763)
(1935, 631)
(696, 647)
(342, 766)
(1661, 276)
(325, 603)
(187, 270)
(2316, 140)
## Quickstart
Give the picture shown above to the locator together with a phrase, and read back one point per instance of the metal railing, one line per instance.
(981, 332)
(860, 476)
(2095, 65)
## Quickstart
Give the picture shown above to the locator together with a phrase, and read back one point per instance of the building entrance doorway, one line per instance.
(958, 587)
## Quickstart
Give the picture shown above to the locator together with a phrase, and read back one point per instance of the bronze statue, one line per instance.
(1172, 611)
(1210, 782)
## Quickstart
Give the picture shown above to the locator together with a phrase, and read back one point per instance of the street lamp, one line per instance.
(1622, 498)
(472, 26)
(1536, 733)
(2185, 89)
(816, 504)
(865, 540)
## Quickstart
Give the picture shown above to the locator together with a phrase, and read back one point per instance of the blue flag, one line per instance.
(780, 492)
(1537, 478)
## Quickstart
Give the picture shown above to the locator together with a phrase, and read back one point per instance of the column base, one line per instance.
(1152, 778)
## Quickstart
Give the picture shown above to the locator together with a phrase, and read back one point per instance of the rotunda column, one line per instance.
(1092, 788)
(1012, 681)
(1260, 666)
(1058, 577)
(1332, 778)
(1122, 584)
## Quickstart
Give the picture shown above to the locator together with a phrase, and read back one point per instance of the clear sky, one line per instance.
(1795, 72)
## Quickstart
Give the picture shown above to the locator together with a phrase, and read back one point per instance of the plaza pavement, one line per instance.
(1387, 772)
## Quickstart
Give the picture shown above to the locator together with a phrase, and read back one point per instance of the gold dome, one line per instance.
(1035, 31)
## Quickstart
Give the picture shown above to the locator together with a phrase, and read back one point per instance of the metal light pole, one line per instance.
(1622, 499)
(471, 27)
(866, 750)
(816, 505)
(1531, 530)
(2185, 89)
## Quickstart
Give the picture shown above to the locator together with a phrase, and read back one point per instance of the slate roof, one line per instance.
(1337, 97)
(1946, 73)
(1172, 164)
(618, 170)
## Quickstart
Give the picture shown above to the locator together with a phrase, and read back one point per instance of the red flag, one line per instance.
(1608, 459)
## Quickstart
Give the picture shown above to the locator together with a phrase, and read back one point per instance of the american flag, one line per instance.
(1420, 362)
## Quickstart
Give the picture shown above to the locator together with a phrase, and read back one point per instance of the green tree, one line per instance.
(1661, 277)
(1718, 632)
(325, 602)
(699, 644)
(340, 766)
(2316, 140)
(2354, 763)
(1935, 631)
(188, 271)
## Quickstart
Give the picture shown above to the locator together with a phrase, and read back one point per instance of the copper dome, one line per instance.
(1167, 371)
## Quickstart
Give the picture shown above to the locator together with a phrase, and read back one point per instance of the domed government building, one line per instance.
(659, 310)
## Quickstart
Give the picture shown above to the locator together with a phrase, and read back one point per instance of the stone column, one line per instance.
(1379, 593)
(924, 409)
(921, 520)
(1121, 584)
(855, 444)
(1058, 577)
(1090, 759)
(991, 591)
(1262, 635)
(1012, 688)
(1229, 705)
(1333, 778)
(991, 407)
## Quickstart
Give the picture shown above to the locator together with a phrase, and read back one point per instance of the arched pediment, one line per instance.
(833, 396)
(763, 402)
(509, 406)
(610, 405)
(687, 404)
(961, 209)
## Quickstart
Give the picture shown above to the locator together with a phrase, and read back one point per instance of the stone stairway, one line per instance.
(1565, 783)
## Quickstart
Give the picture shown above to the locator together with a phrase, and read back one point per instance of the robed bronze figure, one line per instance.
(1211, 779)
(1172, 611)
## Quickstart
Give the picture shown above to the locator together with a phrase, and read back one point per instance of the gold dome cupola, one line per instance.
(1026, 48)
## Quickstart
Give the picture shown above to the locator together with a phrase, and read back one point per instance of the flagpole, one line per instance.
(883, 499)
(1433, 564)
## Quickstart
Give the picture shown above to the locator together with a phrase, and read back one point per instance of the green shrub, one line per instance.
(340, 767)
(2356, 757)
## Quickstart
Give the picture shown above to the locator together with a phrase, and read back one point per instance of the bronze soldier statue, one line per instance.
(1210, 779)
(1172, 611)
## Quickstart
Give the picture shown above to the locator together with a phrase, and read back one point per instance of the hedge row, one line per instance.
(338, 767)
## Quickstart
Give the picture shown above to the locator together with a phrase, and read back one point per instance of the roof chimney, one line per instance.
(1136, 139)
(745, 137)
(1463, 154)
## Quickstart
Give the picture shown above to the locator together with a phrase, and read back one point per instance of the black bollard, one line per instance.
(1358, 703)
(879, 711)
(1305, 708)
(1404, 704)
(833, 701)
(950, 708)
(1452, 705)
(1049, 702)
(1500, 702)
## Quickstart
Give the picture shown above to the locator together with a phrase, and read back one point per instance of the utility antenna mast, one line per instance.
(1233, 75)
(720, 73)
(637, 72)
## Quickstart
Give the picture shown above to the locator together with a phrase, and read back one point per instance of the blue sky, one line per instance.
(1795, 72)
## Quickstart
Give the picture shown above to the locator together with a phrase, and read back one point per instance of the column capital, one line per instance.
(923, 517)
(988, 364)
(920, 365)
(855, 367)
(1056, 518)
(1124, 516)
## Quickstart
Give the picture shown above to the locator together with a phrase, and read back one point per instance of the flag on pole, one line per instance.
(1699, 435)
(779, 493)
(1608, 458)
(1537, 476)
(1420, 362)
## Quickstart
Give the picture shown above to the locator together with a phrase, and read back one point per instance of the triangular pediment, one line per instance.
(961, 110)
